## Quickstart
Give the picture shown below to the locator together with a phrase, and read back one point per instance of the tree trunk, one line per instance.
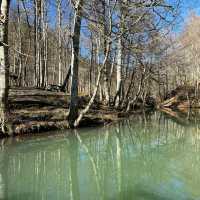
(118, 96)
(20, 74)
(73, 111)
(59, 42)
(45, 55)
(98, 43)
(130, 85)
(4, 65)
(42, 49)
(107, 15)
(37, 43)
(139, 91)
(91, 67)
(119, 73)
(64, 85)
(84, 111)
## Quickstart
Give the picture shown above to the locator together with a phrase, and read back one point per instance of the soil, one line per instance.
(34, 111)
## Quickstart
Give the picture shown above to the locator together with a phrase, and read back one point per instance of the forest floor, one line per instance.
(33, 111)
(182, 104)
(181, 98)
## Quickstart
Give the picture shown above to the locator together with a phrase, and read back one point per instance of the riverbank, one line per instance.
(34, 111)
(52, 118)
(181, 98)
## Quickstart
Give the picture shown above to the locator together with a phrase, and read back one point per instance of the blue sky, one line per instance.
(188, 5)
(185, 7)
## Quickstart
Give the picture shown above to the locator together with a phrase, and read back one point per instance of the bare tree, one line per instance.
(73, 112)
(4, 63)
(59, 19)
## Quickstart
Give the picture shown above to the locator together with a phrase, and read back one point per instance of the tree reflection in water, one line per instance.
(147, 157)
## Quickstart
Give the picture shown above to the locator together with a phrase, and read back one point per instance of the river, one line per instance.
(148, 157)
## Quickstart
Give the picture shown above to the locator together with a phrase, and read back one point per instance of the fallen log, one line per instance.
(169, 102)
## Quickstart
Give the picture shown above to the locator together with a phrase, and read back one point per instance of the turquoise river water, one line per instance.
(149, 157)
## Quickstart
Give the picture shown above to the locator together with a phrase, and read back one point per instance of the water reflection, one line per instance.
(149, 157)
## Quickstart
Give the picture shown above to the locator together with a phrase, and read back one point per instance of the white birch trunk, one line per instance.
(119, 89)
(4, 64)
(119, 72)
